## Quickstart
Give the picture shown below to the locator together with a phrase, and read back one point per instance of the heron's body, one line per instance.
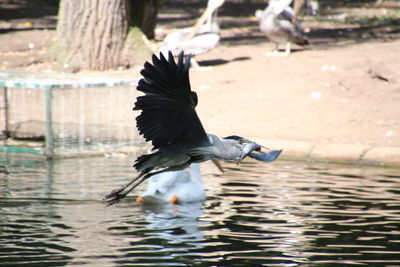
(181, 155)
(169, 120)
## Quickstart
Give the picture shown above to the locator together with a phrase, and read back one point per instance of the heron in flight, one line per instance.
(278, 22)
(169, 120)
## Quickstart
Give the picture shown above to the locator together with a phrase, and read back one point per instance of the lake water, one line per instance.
(277, 214)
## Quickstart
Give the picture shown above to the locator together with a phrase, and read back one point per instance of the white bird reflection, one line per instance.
(176, 223)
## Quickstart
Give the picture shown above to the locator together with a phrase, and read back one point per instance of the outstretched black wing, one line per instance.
(168, 107)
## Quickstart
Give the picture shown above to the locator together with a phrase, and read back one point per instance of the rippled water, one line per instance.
(279, 214)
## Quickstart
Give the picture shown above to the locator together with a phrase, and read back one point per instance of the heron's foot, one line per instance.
(113, 193)
(114, 197)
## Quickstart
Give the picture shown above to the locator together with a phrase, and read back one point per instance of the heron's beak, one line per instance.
(218, 164)
(266, 157)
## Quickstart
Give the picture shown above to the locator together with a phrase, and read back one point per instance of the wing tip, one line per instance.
(166, 81)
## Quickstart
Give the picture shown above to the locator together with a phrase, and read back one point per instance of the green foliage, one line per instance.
(53, 3)
(390, 20)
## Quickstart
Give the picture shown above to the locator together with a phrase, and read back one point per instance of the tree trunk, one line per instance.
(144, 13)
(101, 34)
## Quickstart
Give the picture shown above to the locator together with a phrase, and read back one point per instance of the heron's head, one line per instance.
(235, 137)
(240, 139)
(244, 141)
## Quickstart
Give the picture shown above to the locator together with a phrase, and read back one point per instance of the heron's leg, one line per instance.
(114, 198)
(118, 191)
(118, 194)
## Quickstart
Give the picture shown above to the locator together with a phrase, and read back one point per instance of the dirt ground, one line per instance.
(343, 88)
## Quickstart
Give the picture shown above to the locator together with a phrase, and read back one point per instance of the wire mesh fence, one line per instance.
(64, 114)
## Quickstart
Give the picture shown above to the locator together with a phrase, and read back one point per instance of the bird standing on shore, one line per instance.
(169, 120)
(200, 39)
(279, 24)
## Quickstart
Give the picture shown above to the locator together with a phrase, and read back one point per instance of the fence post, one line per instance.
(6, 94)
(49, 142)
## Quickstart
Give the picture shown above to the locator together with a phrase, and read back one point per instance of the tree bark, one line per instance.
(102, 34)
(144, 14)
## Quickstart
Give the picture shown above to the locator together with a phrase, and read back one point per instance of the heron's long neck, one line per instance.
(225, 149)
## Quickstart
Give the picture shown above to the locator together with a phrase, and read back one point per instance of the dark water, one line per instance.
(279, 214)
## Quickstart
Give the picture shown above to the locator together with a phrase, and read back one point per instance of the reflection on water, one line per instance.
(284, 213)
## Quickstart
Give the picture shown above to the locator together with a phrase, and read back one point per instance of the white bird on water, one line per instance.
(174, 187)
(278, 23)
(200, 39)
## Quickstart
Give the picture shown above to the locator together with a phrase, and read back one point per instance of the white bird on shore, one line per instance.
(174, 187)
(278, 23)
(200, 39)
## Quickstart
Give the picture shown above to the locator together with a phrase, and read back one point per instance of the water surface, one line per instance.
(278, 214)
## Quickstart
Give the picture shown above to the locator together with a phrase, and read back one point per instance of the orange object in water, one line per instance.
(139, 200)
(174, 199)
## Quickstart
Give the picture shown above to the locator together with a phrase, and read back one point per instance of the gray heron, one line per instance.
(200, 39)
(169, 120)
(279, 24)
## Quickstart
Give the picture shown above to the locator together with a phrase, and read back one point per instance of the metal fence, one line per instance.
(66, 114)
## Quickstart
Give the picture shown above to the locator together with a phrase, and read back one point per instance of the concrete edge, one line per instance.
(307, 151)
(335, 153)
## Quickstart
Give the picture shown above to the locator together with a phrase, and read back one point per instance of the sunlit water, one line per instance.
(278, 214)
